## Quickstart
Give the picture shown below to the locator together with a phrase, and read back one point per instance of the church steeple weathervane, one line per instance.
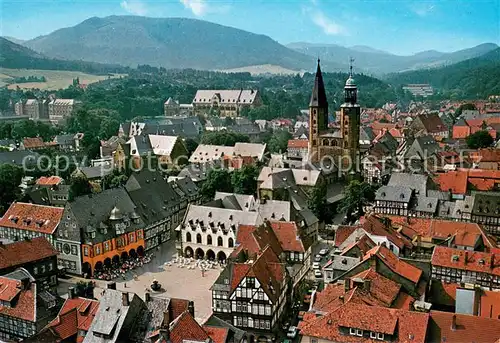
(350, 89)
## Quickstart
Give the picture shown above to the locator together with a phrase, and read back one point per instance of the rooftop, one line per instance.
(25, 251)
(39, 218)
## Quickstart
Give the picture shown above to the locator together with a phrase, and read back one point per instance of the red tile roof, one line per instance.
(467, 328)
(254, 239)
(476, 261)
(342, 233)
(288, 236)
(376, 225)
(75, 314)
(33, 143)
(32, 217)
(381, 288)
(25, 251)
(178, 306)
(485, 155)
(454, 181)
(490, 304)
(49, 181)
(185, 328)
(24, 307)
(298, 143)
(364, 244)
(464, 233)
(406, 326)
(217, 334)
(398, 266)
(460, 132)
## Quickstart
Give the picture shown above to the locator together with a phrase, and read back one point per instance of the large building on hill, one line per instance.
(227, 103)
(340, 143)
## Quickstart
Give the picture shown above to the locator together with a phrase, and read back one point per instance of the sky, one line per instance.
(398, 26)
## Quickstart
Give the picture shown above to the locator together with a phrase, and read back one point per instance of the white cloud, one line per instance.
(134, 7)
(198, 7)
(329, 26)
(422, 9)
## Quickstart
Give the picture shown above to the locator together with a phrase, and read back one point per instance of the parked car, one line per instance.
(323, 252)
(316, 265)
(292, 332)
(318, 274)
(317, 258)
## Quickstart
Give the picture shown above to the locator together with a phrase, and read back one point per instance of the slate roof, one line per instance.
(418, 182)
(394, 193)
(92, 213)
(198, 171)
(96, 172)
(18, 157)
(153, 197)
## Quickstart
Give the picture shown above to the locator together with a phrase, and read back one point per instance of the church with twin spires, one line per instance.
(340, 144)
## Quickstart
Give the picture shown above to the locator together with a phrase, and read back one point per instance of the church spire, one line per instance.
(318, 97)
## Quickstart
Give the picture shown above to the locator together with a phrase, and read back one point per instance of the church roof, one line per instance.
(318, 97)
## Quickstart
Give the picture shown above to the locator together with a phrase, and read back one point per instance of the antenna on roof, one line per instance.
(351, 61)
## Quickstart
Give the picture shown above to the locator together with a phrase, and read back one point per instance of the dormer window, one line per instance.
(355, 332)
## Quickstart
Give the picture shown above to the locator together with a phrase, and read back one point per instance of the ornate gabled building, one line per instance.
(343, 143)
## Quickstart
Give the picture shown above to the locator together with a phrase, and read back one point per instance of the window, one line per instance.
(106, 246)
(380, 336)
(97, 250)
(131, 237)
(230, 242)
(373, 334)
(198, 238)
(188, 237)
(261, 309)
(43, 268)
(139, 233)
(86, 251)
(59, 247)
(92, 235)
(250, 282)
(314, 340)
(35, 270)
(209, 240)
(74, 250)
(50, 266)
(219, 241)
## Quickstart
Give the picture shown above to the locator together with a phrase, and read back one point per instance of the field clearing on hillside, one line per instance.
(56, 79)
(263, 69)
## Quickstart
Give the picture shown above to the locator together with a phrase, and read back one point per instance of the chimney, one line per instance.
(25, 284)
(191, 308)
(125, 301)
(112, 285)
(347, 284)
(466, 258)
(492, 261)
(366, 284)
(147, 297)
(454, 323)
(71, 293)
(166, 319)
(341, 298)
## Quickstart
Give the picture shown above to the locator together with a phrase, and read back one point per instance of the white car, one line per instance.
(317, 273)
(316, 265)
(317, 258)
(323, 252)
(292, 332)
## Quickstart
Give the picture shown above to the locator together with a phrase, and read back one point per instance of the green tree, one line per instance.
(244, 180)
(218, 180)
(278, 141)
(10, 179)
(79, 186)
(223, 137)
(191, 145)
(317, 201)
(356, 195)
(480, 139)
(114, 180)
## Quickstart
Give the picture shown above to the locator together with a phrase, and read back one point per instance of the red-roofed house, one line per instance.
(487, 158)
(36, 255)
(462, 328)
(24, 308)
(49, 181)
(455, 265)
(253, 295)
(387, 264)
(429, 124)
(74, 319)
(298, 149)
(357, 323)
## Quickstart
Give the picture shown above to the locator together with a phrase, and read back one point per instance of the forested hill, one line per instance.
(170, 43)
(16, 56)
(473, 78)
